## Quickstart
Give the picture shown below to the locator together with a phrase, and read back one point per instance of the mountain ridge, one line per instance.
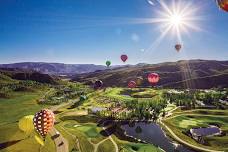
(199, 74)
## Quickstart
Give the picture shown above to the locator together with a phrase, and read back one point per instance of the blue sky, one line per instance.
(93, 31)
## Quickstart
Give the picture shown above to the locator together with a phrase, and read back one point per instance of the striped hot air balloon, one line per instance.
(44, 121)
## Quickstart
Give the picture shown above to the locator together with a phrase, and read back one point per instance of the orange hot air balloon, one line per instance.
(178, 47)
(43, 121)
(223, 4)
(124, 57)
(132, 84)
(153, 78)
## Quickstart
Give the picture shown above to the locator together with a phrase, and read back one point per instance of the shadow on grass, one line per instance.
(8, 143)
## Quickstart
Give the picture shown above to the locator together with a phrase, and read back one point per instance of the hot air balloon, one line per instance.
(98, 84)
(178, 47)
(43, 121)
(108, 63)
(153, 78)
(132, 84)
(26, 124)
(223, 4)
(83, 97)
(124, 57)
(139, 80)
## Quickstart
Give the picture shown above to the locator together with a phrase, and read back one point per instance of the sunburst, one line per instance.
(178, 18)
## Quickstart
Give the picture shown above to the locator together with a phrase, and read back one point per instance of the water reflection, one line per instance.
(152, 133)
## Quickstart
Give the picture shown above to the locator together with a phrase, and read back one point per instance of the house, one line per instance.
(198, 133)
(94, 110)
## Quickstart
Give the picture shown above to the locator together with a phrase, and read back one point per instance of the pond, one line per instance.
(152, 133)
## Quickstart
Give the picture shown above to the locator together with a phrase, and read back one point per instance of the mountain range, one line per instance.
(200, 74)
(195, 74)
(55, 68)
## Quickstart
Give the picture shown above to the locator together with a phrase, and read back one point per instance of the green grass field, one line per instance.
(21, 104)
(77, 125)
(186, 120)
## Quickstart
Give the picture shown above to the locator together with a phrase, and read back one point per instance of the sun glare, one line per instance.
(176, 20)
(180, 17)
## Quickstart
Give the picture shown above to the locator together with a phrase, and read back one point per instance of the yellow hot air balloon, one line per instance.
(26, 124)
(139, 81)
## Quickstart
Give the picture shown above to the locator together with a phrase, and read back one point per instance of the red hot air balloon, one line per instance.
(98, 84)
(132, 84)
(124, 57)
(44, 121)
(153, 78)
(178, 47)
(223, 4)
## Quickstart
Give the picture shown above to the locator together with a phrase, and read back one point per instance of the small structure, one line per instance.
(67, 90)
(95, 110)
(198, 133)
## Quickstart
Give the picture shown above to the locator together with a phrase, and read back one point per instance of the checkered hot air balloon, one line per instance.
(131, 84)
(44, 121)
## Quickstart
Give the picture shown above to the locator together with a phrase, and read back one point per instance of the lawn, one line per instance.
(182, 123)
(125, 146)
(21, 104)
(106, 146)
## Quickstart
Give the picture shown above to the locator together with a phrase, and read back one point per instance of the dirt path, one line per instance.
(61, 143)
(97, 145)
(114, 143)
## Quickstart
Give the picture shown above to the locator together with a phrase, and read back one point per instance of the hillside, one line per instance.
(182, 74)
(8, 75)
(55, 68)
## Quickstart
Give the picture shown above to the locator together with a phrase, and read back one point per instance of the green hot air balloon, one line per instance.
(108, 63)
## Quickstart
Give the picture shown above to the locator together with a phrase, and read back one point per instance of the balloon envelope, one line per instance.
(132, 84)
(178, 47)
(83, 97)
(223, 4)
(43, 121)
(26, 124)
(153, 78)
(139, 80)
(124, 57)
(98, 84)
(108, 63)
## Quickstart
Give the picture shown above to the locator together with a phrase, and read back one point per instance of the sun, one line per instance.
(179, 18)
(176, 19)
